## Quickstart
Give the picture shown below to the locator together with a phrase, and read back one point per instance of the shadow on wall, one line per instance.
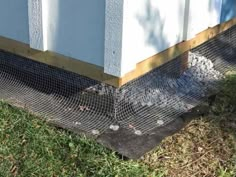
(160, 32)
(76, 29)
(153, 26)
(14, 20)
(228, 10)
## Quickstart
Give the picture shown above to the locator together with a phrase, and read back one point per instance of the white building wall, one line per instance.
(149, 27)
(76, 29)
(198, 17)
(215, 12)
(201, 15)
(14, 20)
(112, 34)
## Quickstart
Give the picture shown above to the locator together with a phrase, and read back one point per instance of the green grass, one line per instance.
(30, 147)
(205, 147)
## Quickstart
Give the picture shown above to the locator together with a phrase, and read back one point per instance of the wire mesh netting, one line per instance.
(153, 100)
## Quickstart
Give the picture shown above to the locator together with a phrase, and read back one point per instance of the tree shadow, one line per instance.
(153, 23)
(228, 10)
(221, 50)
(153, 26)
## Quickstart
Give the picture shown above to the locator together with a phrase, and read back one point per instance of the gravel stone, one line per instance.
(138, 132)
(114, 127)
(95, 132)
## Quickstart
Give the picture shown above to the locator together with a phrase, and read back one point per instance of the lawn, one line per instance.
(205, 147)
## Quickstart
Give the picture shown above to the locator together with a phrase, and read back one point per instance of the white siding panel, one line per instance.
(149, 27)
(215, 12)
(76, 28)
(199, 17)
(14, 20)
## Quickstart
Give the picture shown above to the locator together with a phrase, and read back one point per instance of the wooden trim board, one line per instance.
(96, 72)
(57, 60)
(171, 53)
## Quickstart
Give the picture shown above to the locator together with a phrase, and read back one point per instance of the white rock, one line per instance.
(138, 132)
(149, 103)
(95, 132)
(160, 122)
(114, 127)
(77, 123)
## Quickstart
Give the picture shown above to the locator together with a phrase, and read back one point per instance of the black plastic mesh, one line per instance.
(153, 100)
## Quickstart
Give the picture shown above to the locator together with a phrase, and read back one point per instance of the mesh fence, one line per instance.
(153, 100)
